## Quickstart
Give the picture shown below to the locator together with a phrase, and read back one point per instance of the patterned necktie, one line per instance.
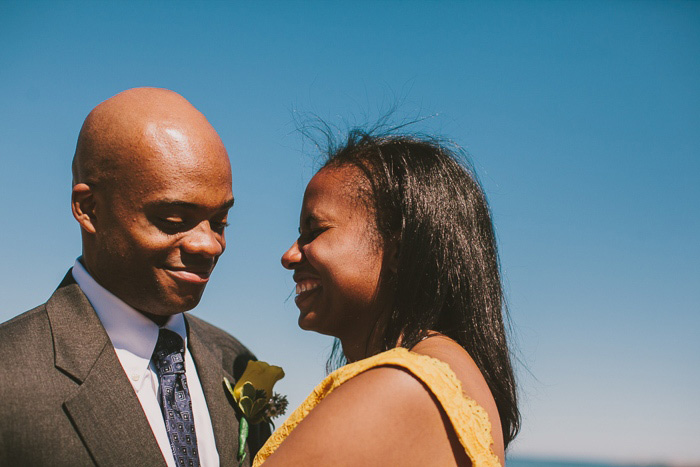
(174, 396)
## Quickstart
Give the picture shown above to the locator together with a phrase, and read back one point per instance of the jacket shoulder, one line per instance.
(33, 323)
(26, 355)
(28, 326)
(32, 314)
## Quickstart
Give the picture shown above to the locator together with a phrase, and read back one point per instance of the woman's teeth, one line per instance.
(307, 285)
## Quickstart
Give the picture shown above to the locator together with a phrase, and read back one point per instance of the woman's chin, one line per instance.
(310, 321)
(308, 317)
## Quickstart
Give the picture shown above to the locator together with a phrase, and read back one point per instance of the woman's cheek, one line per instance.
(320, 253)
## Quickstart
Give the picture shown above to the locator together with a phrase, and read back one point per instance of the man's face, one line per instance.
(160, 227)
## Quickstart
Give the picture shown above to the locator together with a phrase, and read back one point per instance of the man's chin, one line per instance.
(161, 310)
(180, 298)
(182, 304)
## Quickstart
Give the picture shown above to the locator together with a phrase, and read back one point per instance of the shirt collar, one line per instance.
(128, 329)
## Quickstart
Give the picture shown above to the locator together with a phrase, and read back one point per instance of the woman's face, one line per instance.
(337, 260)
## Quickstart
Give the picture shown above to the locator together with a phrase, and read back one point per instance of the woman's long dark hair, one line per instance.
(448, 278)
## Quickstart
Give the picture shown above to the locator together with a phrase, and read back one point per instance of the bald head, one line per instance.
(151, 191)
(119, 136)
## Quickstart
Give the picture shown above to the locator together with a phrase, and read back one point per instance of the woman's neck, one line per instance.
(355, 350)
(363, 345)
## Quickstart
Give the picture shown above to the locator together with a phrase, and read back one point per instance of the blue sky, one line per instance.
(582, 119)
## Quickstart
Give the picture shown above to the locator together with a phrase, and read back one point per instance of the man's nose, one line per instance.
(202, 240)
(292, 257)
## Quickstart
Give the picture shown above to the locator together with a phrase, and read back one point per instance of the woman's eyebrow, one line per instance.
(308, 220)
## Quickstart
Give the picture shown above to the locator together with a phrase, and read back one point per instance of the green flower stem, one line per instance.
(242, 437)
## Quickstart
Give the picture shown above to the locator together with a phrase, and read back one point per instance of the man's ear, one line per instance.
(83, 205)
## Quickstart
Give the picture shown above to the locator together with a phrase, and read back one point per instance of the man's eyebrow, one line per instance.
(177, 203)
(227, 205)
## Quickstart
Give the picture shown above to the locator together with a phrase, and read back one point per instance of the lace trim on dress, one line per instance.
(469, 420)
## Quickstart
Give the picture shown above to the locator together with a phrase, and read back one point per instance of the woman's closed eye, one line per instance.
(307, 236)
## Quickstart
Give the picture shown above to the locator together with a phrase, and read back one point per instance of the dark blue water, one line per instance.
(521, 462)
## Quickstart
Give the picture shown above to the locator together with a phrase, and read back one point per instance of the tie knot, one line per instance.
(169, 354)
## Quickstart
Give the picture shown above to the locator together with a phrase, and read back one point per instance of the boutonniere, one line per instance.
(255, 400)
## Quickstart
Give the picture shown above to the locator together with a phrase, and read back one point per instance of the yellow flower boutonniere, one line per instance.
(255, 399)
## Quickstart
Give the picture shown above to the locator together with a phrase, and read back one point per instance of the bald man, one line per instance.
(109, 371)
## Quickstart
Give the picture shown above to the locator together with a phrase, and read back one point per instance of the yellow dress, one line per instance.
(469, 419)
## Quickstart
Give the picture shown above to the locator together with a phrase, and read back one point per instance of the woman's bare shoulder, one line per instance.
(383, 416)
(445, 349)
(474, 385)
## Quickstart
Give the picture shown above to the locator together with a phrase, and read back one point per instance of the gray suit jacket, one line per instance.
(65, 399)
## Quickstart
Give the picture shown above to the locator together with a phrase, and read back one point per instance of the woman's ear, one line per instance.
(391, 253)
(83, 206)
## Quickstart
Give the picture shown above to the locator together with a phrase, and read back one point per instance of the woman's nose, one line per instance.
(292, 257)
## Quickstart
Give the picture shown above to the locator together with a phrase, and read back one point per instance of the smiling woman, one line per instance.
(397, 258)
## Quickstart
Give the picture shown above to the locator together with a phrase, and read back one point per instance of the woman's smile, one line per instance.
(306, 285)
(305, 289)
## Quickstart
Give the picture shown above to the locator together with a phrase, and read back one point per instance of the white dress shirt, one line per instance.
(134, 338)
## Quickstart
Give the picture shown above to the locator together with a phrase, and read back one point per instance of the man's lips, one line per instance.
(192, 275)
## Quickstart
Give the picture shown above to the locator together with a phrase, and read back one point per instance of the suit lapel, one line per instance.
(109, 417)
(211, 376)
(104, 410)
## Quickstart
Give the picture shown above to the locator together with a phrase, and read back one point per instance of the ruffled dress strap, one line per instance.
(469, 420)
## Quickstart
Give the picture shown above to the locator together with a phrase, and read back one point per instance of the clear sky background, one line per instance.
(582, 119)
